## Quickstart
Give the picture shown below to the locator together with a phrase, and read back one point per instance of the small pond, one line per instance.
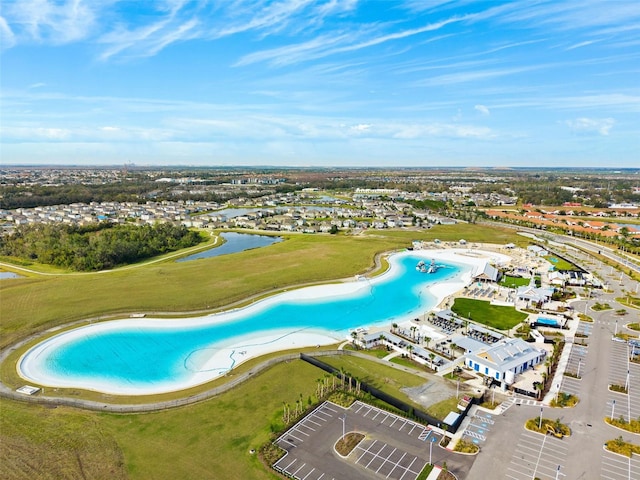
(234, 243)
(5, 275)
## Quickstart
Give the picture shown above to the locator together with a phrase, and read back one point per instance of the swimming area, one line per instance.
(148, 356)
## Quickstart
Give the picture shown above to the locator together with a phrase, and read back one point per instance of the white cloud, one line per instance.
(360, 128)
(7, 37)
(599, 126)
(484, 110)
(336, 43)
(53, 22)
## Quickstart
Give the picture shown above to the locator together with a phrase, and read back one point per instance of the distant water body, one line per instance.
(7, 275)
(234, 243)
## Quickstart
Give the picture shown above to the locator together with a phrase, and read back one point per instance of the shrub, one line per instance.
(619, 445)
(633, 426)
(464, 446)
(564, 399)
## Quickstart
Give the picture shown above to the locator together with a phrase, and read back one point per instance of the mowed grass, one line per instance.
(207, 440)
(509, 281)
(472, 233)
(386, 378)
(53, 443)
(560, 263)
(494, 316)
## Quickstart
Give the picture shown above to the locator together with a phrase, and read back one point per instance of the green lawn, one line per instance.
(509, 281)
(386, 378)
(494, 316)
(211, 439)
(559, 263)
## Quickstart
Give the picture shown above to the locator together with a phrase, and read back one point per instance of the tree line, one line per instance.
(97, 246)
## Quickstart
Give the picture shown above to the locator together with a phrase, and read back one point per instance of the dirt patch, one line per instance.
(348, 443)
(433, 391)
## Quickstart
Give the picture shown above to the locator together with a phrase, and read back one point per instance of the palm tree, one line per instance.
(354, 337)
(410, 350)
(427, 340)
(431, 358)
(394, 326)
(539, 388)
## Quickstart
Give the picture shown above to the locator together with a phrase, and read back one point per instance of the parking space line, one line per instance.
(394, 421)
(305, 426)
(386, 460)
(297, 430)
(287, 467)
(375, 455)
(366, 450)
(311, 421)
(296, 472)
(305, 477)
(290, 443)
(414, 426)
(523, 473)
(397, 465)
(408, 468)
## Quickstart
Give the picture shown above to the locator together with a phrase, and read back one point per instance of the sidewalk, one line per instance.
(562, 365)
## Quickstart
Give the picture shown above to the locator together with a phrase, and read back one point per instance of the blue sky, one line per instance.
(321, 83)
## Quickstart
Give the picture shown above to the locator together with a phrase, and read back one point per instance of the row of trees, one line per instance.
(95, 247)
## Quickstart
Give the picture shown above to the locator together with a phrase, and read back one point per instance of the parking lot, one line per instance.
(394, 447)
(537, 455)
(623, 373)
(618, 467)
(575, 368)
(480, 425)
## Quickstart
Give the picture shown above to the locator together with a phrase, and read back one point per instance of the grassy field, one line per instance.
(509, 281)
(208, 440)
(494, 316)
(560, 263)
(383, 377)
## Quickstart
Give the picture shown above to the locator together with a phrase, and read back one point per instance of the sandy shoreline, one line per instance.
(209, 363)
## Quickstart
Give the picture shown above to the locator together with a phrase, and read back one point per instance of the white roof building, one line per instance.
(488, 273)
(505, 359)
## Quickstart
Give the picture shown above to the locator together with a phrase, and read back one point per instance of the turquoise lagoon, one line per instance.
(147, 356)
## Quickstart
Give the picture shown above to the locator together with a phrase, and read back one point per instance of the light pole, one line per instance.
(616, 330)
(458, 386)
(540, 423)
(558, 473)
(343, 418)
(613, 406)
(579, 365)
(626, 383)
(431, 449)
